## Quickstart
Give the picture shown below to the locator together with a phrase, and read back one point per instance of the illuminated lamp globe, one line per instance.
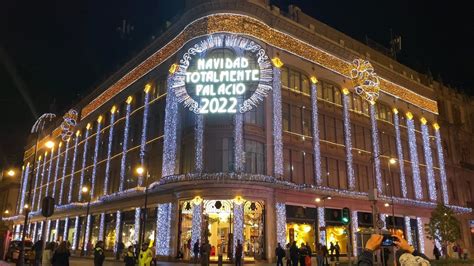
(140, 170)
(49, 144)
(392, 161)
(85, 189)
(11, 173)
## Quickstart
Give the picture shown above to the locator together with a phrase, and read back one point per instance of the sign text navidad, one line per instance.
(219, 81)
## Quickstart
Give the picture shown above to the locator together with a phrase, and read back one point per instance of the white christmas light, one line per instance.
(136, 235)
(48, 231)
(442, 170)
(23, 188)
(239, 143)
(354, 229)
(144, 134)
(280, 209)
(56, 172)
(84, 160)
(376, 149)
(316, 146)
(414, 159)
(348, 141)
(322, 224)
(66, 229)
(56, 236)
(75, 233)
(408, 230)
(277, 124)
(101, 227)
(401, 164)
(171, 127)
(22, 183)
(383, 217)
(118, 230)
(109, 153)
(429, 162)
(63, 178)
(421, 235)
(196, 223)
(238, 223)
(46, 193)
(33, 235)
(163, 229)
(199, 143)
(73, 168)
(125, 146)
(36, 183)
(38, 200)
(88, 231)
(40, 230)
(96, 155)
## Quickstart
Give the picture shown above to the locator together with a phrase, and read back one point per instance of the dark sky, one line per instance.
(58, 51)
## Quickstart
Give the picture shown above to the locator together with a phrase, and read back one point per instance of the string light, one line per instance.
(199, 140)
(421, 234)
(136, 235)
(101, 227)
(401, 164)
(315, 120)
(196, 222)
(239, 143)
(22, 180)
(46, 193)
(322, 224)
(238, 224)
(66, 229)
(408, 230)
(171, 127)
(36, 182)
(84, 160)
(56, 171)
(63, 179)
(280, 209)
(354, 229)
(38, 200)
(75, 233)
(144, 132)
(414, 157)
(73, 168)
(109, 151)
(348, 140)
(57, 231)
(40, 230)
(125, 145)
(365, 79)
(23, 188)
(429, 161)
(33, 237)
(96, 155)
(68, 124)
(376, 149)
(88, 231)
(48, 228)
(118, 230)
(383, 217)
(277, 124)
(163, 229)
(442, 170)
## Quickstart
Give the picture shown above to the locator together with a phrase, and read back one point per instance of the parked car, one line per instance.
(13, 252)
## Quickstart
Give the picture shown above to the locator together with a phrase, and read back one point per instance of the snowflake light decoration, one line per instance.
(366, 82)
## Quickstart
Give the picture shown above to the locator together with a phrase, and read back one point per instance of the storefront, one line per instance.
(337, 234)
(301, 226)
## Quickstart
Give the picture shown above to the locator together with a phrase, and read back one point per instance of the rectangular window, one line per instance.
(328, 92)
(297, 167)
(284, 76)
(287, 164)
(305, 85)
(341, 166)
(295, 80)
(307, 125)
(330, 129)
(333, 173)
(254, 157)
(308, 169)
(296, 121)
(285, 112)
(339, 131)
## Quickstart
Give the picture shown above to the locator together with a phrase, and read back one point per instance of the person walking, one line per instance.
(196, 251)
(129, 257)
(47, 254)
(38, 248)
(205, 252)
(61, 255)
(238, 253)
(294, 254)
(332, 251)
(120, 248)
(337, 248)
(280, 254)
(436, 252)
(287, 254)
(303, 252)
(99, 255)
(320, 255)
(146, 256)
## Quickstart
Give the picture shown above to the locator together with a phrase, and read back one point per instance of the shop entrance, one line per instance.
(218, 225)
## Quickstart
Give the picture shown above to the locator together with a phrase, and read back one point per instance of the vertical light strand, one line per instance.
(322, 224)
(56, 171)
(56, 235)
(66, 229)
(170, 131)
(118, 230)
(88, 231)
(28, 230)
(109, 151)
(421, 235)
(33, 234)
(238, 224)
(73, 167)
(125, 144)
(48, 231)
(239, 143)
(38, 200)
(22, 183)
(75, 233)
(280, 211)
(383, 217)
(401, 161)
(376, 149)
(414, 157)
(40, 230)
(354, 229)
(316, 144)
(442, 169)
(163, 229)
(429, 160)
(408, 230)
(38, 166)
(101, 227)
(144, 132)
(23, 188)
(136, 235)
(84, 160)
(199, 143)
(196, 223)
(50, 168)
(277, 124)
(348, 139)
(438, 243)
(63, 177)
(96, 155)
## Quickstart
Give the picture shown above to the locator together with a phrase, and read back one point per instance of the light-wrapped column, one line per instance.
(73, 168)
(238, 224)
(408, 230)
(109, 151)
(96, 155)
(199, 143)
(170, 131)
(84, 160)
(196, 223)
(43, 171)
(56, 236)
(383, 217)
(63, 177)
(144, 130)
(277, 124)
(101, 227)
(376, 149)
(38, 166)
(354, 229)
(401, 164)
(118, 230)
(50, 168)
(280, 209)
(163, 229)
(56, 171)
(40, 230)
(136, 235)
(23, 188)
(429, 160)
(33, 234)
(125, 143)
(421, 235)
(75, 233)
(442, 169)
(315, 120)
(22, 183)
(88, 231)
(414, 157)
(321, 224)
(239, 143)
(48, 231)
(348, 139)
(66, 229)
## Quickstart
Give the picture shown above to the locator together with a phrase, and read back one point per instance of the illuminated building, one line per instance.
(241, 126)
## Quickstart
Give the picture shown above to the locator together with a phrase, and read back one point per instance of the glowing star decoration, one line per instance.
(315, 123)
(68, 124)
(199, 142)
(217, 82)
(171, 127)
(73, 167)
(196, 222)
(163, 229)
(365, 80)
(238, 223)
(84, 160)
(109, 151)
(280, 209)
(398, 140)
(321, 224)
(348, 139)
(442, 169)
(414, 157)
(277, 124)
(125, 144)
(421, 234)
(429, 161)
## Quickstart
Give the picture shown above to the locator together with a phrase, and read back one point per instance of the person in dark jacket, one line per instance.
(99, 255)
(196, 251)
(38, 248)
(61, 255)
(129, 257)
(436, 252)
(239, 250)
(303, 252)
(294, 254)
(280, 254)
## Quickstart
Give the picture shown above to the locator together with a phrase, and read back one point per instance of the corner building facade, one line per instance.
(252, 175)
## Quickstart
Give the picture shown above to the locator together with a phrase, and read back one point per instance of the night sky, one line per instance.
(52, 53)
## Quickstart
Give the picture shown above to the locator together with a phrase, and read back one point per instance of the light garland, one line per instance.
(277, 124)
(442, 170)
(171, 127)
(73, 168)
(199, 143)
(322, 224)
(66, 229)
(144, 133)
(437, 242)
(429, 162)
(123, 161)
(63, 179)
(48, 232)
(36, 183)
(22, 180)
(354, 229)
(33, 235)
(109, 152)
(88, 231)
(96, 155)
(348, 140)
(40, 230)
(28, 230)
(414, 158)
(316, 144)
(136, 235)
(163, 229)
(239, 143)
(68, 124)
(75, 233)
(365, 79)
(408, 230)
(383, 217)
(23, 188)
(101, 227)
(57, 231)
(376, 148)
(56, 172)
(421, 235)
(280, 209)
(401, 164)
(196, 223)
(50, 168)
(84, 160)
(118, 230)
(238, 224)
(38, 200)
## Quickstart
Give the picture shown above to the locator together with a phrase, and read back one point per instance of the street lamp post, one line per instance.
(85, 189)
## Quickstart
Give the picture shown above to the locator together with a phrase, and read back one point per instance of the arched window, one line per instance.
(331, 93)
(295, 80)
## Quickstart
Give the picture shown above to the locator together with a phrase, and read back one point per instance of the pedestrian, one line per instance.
(205, 252)
(47, 254)
(303, 252)
(320, 255)
(436, 252)
(129, 257)
(153, 253)
(61, 255)
(308, 248)
(38, 248)
(332, 250)
(287, 254)
(294, 254)
(280, 254)
(99, 255)
(325, 254)
(89, 247)
(120, 248)
(337, 248)
(238, 253)
(196, 251)
(146, 256)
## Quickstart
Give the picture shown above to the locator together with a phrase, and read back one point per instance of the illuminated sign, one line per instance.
(223, 74)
